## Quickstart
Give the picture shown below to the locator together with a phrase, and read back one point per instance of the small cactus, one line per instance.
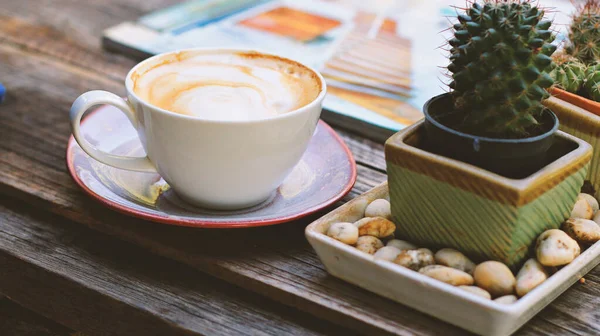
(592, 82)
(500, 58)
(584, 33)
(568, 73)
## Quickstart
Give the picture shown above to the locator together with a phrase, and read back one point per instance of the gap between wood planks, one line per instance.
(276, 279)
(364, 163)
(67, 273)
(51, 187)
(20, 321)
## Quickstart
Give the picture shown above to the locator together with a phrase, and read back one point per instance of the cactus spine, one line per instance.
(568, 73)
(592, 82)
(584, 33)
(500, 58)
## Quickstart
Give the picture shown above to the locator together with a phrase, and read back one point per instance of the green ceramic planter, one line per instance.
(583, 121)
(441, 202)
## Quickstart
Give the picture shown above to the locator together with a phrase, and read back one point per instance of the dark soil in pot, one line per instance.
(514, 158)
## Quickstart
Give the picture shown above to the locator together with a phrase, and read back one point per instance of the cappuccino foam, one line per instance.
(226, 85)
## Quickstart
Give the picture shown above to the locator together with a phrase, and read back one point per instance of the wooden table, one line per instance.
(90, 269)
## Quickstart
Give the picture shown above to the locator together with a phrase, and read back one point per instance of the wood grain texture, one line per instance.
(44, 75)
(287, 270)
(284, 269)
(20, 321)
(84, 279)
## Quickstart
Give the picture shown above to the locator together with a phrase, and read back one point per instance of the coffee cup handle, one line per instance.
(98, 97)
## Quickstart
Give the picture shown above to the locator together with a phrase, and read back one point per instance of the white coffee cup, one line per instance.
(208, 163)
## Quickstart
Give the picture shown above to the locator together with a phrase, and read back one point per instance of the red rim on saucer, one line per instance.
(326, 173)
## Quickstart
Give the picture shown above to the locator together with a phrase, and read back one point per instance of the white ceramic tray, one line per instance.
(428, 295)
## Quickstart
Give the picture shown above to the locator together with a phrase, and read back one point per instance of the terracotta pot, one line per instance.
(442, 202)
(577, 100)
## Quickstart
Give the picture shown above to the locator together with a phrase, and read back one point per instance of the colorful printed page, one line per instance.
(380, 58)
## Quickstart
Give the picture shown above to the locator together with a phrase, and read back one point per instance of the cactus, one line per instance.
(584, 33)
(592, 82)
(568, 73)
(500, 58)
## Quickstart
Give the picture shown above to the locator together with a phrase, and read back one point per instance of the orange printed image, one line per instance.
(285, 21)
(372, 68)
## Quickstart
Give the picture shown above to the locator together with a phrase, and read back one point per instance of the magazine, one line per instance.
(381, 59)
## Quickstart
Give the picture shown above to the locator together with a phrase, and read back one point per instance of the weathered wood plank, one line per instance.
(364, 150)
(32, 180)
(49, 41)
(576, 310)
(33, 170)
(71, 30)
(90, 282)
(19, 321)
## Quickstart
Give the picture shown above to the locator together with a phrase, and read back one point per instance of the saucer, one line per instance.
(325, 174)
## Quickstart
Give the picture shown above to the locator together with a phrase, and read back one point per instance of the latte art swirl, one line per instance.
(226, 86)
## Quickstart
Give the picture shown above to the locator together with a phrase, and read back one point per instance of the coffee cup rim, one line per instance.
(300, 110)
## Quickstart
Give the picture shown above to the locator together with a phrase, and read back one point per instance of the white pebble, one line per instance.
(415, 259)
(379, 208)
(494, 277)
(582, 209)
(401, 245)
(345, 232)
(375, 226)
(388, 253)
(477, 291)
(446, 274)
(592, 201)
(506, 299)
(584, 231)
(356, 210)
(531, 275)
(455, 259)
(556, 248)
(597, 218)
(368, 244)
